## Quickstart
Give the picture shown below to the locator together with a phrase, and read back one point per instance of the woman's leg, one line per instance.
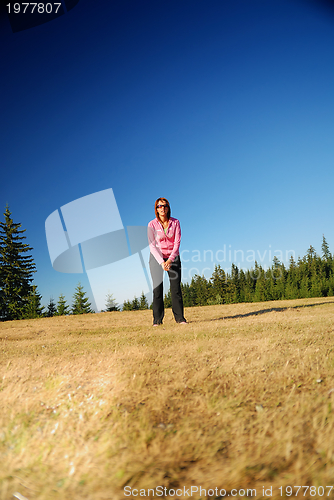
(175, 289)
(158, 294)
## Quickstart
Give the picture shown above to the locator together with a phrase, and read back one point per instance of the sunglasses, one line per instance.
(162, 206)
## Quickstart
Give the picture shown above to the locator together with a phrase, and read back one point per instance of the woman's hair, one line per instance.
(156, 210)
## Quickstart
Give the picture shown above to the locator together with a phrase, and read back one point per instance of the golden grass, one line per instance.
(241, 397)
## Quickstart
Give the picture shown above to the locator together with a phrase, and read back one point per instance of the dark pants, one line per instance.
(174, 274)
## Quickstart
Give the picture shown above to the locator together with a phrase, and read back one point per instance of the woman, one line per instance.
(164, 235)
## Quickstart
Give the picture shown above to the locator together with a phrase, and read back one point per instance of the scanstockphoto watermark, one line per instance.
(163, 491)
(232, 272)
(202, 263)
(229, 255)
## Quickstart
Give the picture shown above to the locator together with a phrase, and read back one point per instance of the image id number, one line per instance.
(311, 490)
(31, 8)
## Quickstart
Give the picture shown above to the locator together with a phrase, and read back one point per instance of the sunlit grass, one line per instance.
(241, 397)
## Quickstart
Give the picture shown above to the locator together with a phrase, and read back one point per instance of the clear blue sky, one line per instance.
(226, 108)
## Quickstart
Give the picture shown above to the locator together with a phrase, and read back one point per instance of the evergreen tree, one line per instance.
(132, 305)
(304, 290)
(135, 304)
(218, 286)
(62, 307)
(111, 303)
(275, 280)
(143, 304)
(249, 287)
(186, 294)
(235, 281)
(326, 255)
(330, 283)
(80, 301)
(318, 285)
(260, 287)
(242, 286)
(33, 308)
(232, 288)
(291, 288)
(51, 309)
(199, 285)
(311, 253)
(16, 269)
(127, 306)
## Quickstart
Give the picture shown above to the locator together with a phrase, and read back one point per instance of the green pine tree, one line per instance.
(33, 309)
(135, 304)
(260, 287)
(218, 286)
(326, 255)
(186, 295)
(311, 253)
(275, 280)
(111, 303)
(200, 289)
(127, 305)
(143, 304)
(51, 309)
(305, 286)
(80, 305)
(62, 306)
(291, 287)
(235, 278)
(242, 286)
(249, 286)
(16, 269)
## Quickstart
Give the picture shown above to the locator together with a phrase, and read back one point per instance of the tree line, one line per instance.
(81, 305)
(310, 276)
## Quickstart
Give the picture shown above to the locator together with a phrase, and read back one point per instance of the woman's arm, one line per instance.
(154, 249)
(177, 241)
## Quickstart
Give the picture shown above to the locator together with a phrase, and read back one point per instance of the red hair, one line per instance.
(156, 210)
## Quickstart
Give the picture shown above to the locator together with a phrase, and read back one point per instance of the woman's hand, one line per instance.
(168, 263)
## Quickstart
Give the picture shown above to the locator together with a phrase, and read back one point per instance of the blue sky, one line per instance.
(224, 107)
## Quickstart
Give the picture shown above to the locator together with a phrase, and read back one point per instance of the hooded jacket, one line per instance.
(164, 246)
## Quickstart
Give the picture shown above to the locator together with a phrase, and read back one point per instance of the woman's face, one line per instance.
(162, 208)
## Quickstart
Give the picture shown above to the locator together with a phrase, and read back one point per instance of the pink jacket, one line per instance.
(164, 245)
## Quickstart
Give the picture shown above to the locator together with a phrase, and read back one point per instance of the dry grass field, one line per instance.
(239, 399)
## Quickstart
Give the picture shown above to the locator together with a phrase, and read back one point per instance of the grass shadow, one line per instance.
(263, 311)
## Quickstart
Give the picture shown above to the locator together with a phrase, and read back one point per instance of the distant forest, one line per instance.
(310, 276)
